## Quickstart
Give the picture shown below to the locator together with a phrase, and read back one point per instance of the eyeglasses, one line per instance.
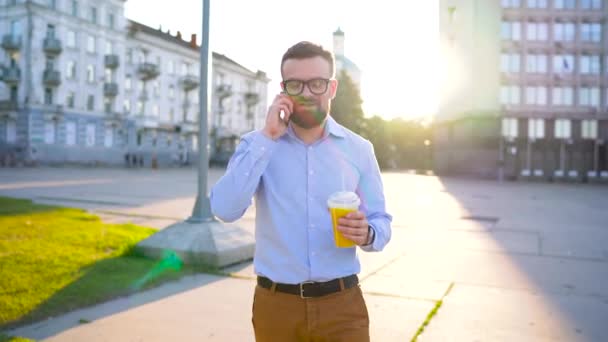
(317, 86)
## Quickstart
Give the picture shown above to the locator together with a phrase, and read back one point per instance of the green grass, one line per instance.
(5, 338)
(54, 260)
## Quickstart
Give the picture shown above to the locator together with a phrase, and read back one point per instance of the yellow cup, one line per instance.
(340, 204)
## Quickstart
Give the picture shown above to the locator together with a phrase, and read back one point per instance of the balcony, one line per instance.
(8, 105)
(110, 89)
(52, 46)
(252, 99)
(147, 71)
(189, 82)
(111, 61)
(51, 78)
(224, 91)
(11, 42)
(11, 75)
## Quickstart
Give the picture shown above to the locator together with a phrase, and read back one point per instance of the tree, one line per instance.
(346, 107)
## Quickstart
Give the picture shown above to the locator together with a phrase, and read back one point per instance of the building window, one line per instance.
(589, 96)
(109, 48)
(171, 67)
(93, 15)
(91, 102)
(48, 96)
(536, 95)
(71, 41)
(140, 108)
(90, 135)
(90, 73)
(129, 55)
(70, 99)
(590, 64)
(510, 3)
(156, 88)
(194, 143)
(128, 82)
(591, 32)
(91, 44)
(510, 62)
(70, 73)
(171, 92)
(589, 129)
(11, 131)
(563, 96)
(75, 8)
(184, 70)
(109, 75)
(70, 133)
(111, 20)
(172, 115)
(108, 139)
(563, 129)
(537, 3)
(564, 4)
(140, 86)
(536, 128)
(53, 4)
(49, 132)
(155, 111)
(126, 106)
(511, 30)
(509, 127)
(509, 95)
(536, 63)
(564, 32)
(563, 64)
(108, 105)
(538, 31)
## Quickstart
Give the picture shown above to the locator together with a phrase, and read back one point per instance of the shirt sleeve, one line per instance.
(232, 194)
(371, 192)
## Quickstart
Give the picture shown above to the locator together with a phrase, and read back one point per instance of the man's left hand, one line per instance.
(354, 226)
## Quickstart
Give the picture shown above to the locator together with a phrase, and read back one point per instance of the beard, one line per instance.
(308, 113)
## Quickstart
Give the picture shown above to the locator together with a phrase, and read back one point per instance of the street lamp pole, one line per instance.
(202, 207)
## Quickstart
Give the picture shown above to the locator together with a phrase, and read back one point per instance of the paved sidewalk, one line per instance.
(509, 262)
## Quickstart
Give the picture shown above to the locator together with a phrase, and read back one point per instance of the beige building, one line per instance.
(524, 93)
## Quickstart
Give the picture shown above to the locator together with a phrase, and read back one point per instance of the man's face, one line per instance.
(311, 107)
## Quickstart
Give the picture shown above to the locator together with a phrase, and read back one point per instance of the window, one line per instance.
(156, 88)
(509, 127)
(69, 100)
(564, 32)
(194, 143)
(171, 92)
(70, 70)
(75, 8)
(563, 129)
(91, 44)
(126, 106)
(565, 4)
(184, 70)
(70, 133)
(11, 131)
(129, 55)
(53, 4)
(48, 96)
(510, 3)
(50, 31)
(108, 139)
(510, 62)
(140, 107)
(591, 32)
(536, 95)
(537, 31)
(109, 48)
(536, 63)
(91, 102)
(49, 132)
(90, 135)
(589, 96)
(128, 82)
(172, 115)
(563, 64)
(155, 110)
(590, 65)
(111, 20)
(109, 76)
(589, 129)
(108, 105)
(508, 95)
(93, 15)
(563, 96)
(71, 41)
(511, 30)
(140, 86)
(537, 3)
(90, 73)
(171, 68)
(536, 128)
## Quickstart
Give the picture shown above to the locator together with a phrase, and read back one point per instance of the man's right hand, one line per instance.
(275, 125)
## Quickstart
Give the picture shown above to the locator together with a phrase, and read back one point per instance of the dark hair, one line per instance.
(305, 49)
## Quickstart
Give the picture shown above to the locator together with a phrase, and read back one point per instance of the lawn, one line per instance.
(54, 260)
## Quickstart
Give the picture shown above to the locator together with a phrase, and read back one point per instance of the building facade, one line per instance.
(525, 90)
(343, 63)
(80, 83)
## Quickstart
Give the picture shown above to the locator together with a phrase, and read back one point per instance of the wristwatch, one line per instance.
(370, 236)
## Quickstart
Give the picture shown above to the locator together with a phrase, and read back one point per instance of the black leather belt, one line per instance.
(311, 289)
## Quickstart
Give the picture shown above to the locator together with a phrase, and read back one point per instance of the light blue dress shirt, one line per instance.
(291, 182)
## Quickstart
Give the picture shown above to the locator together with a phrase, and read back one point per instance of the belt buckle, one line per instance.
(302, 289)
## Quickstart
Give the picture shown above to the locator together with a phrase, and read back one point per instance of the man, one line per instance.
(307, 287)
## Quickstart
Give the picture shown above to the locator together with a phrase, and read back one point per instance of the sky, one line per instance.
(394, 43)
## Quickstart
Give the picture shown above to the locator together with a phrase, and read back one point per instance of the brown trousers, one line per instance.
(337, 317)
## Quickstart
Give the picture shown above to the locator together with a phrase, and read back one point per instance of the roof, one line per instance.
(135, 26)
(338, 32)
(347, 63)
